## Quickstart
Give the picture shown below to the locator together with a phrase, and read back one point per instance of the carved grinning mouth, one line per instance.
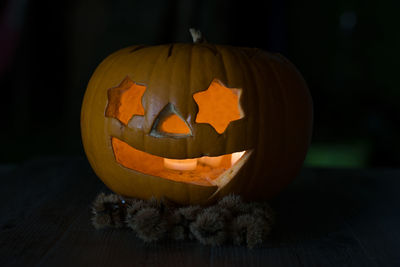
(209, 171)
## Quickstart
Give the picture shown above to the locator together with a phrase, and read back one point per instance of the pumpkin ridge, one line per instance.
(224, 80)
(210, 47)
(136, 48)
(225, 53)
(189, 92)
(171, 47)
(149, 77)
(176, 60)
(264, 63)
(250, 77)
(107, 66)
(282, 90)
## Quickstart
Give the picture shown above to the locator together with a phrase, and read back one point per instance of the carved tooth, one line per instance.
(211, 161)
(180, 164)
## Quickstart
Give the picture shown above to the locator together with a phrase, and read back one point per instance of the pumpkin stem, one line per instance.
(197, 36)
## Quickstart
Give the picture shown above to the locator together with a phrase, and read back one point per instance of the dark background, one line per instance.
(346, 50)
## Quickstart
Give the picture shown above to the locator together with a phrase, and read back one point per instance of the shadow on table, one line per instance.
(321, 204)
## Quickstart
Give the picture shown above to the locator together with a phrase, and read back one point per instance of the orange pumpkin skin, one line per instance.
(276, 127)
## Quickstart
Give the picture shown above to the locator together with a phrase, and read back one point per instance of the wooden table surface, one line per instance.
(328, 217)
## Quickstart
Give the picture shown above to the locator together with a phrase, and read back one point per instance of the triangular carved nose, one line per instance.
(174, 124)
(170, 123)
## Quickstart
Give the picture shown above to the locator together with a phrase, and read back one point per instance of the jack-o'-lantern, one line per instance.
(194, 122)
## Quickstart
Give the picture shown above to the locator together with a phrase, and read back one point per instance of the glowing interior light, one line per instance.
(180, 164)
(236, 156)
(211, 161)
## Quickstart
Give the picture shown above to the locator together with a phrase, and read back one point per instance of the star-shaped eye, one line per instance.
(125, 101)
(218, 106)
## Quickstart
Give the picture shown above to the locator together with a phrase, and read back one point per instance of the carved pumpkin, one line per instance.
(194, 122)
